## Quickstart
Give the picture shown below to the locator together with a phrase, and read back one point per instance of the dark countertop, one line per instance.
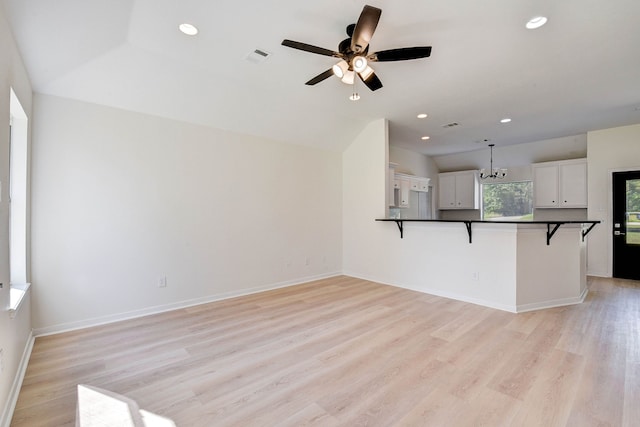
(552, 225)
(559, 221)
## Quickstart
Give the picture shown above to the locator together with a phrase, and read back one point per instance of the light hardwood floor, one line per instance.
(347, 352)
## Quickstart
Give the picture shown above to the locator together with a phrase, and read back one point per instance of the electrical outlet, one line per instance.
(162, 282)
(475, 275)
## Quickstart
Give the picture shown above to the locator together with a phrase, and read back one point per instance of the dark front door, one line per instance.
(626, 225)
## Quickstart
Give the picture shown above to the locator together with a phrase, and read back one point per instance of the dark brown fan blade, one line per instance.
(320, 77)
(365, 28)
(401, 54)
(373, 82)
(310, 48)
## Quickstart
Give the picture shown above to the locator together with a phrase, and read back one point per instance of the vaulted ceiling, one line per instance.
(579, 72)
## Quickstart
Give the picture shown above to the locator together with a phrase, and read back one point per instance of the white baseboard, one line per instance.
(96, 321)
(553, 303)
(596, 274)
(490, 304)
(440, 293)
(9, 407)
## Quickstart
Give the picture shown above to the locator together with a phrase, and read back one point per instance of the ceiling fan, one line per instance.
(354, 55)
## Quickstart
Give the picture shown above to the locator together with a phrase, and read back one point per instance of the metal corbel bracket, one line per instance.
(400, 225)
(468, 225)
(550, 232)
(585, 232)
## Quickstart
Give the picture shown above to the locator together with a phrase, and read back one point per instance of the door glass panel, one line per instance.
(633, 212)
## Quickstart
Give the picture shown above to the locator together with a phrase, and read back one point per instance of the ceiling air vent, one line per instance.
(258, 56)
(450, 125)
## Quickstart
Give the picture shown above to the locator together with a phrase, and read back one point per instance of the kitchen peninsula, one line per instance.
(515, 266)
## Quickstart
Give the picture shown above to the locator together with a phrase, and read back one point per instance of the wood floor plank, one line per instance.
(557, 382)
(474, 371)
(309, 416)
(345, 351)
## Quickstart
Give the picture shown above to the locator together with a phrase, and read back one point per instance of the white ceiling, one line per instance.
(580, 72)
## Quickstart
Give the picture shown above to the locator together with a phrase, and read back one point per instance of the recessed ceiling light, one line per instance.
(536, 22)
(422, 115)
(424, 138)
(188, 29)
(505, 120)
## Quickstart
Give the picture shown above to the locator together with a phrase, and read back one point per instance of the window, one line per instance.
(507, 201)
(17, 195)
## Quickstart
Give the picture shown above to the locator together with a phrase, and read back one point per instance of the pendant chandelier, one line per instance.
(494, 173)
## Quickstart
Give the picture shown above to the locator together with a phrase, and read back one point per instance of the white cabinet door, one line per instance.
(573, 185)
(561, 184)
(447, 191)
(545, 186)
(466, 194)
(458, 190)
(391, 196)
(404, 184)
(405, 188)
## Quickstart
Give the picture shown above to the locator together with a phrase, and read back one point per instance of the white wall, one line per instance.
(610, 150)
(553, 274)
(121, 199)
(364, 186)
(570, 147)
(14, 332)
(413, 163)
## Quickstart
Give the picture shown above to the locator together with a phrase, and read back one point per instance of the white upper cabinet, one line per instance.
(459, 190)
(545, 186)
(392, 185)
(403, 194)
(400, 186)
(573, 185)
(560, 184)
(446, 191)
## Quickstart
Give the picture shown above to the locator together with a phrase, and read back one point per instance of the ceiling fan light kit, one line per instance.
(340, 69)
(353, 52)
(349, 77)
(359, 64)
